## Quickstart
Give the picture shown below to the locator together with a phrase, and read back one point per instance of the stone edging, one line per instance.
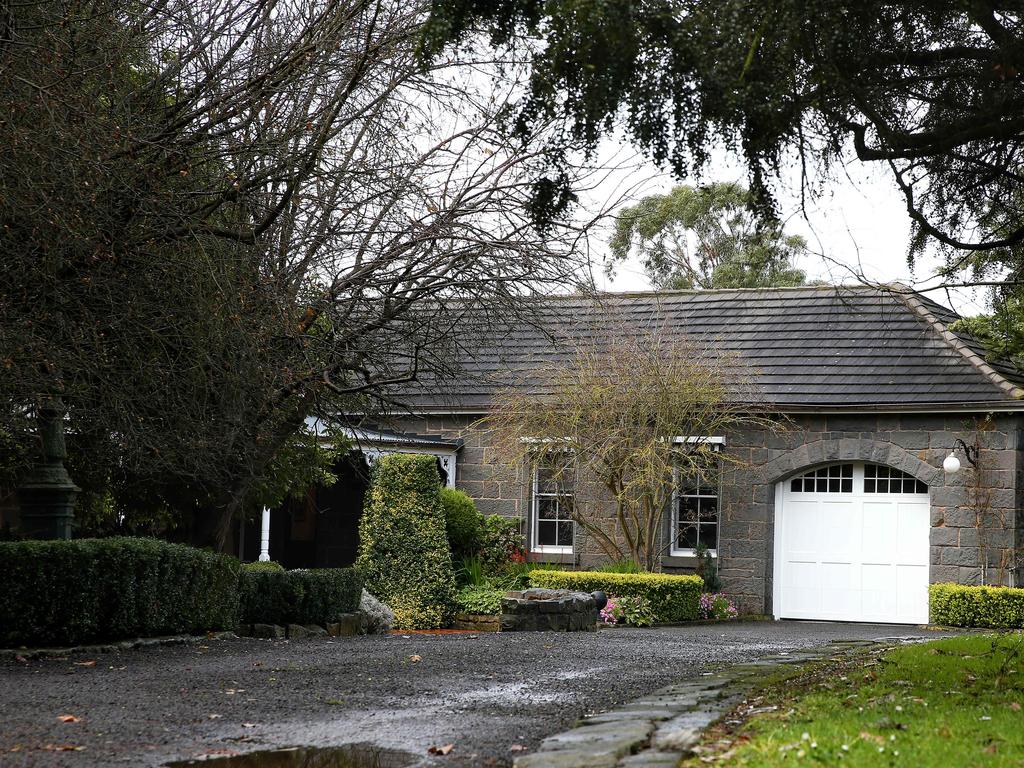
(658, 730)
(15, 654)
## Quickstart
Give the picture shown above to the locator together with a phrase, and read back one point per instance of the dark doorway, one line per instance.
(339, 509)
(320, 530)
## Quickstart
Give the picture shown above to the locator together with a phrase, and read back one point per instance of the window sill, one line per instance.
(563, 557)
(678, 561)
(691, 553)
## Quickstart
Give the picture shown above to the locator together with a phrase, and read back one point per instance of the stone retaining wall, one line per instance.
(548, 610)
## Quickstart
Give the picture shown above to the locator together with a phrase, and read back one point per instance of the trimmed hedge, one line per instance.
(673, 598)
(318, 596)
(403, 551)
(957, 605)
(69, 592)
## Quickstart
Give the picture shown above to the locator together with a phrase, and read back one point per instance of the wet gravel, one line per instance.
(487, 694)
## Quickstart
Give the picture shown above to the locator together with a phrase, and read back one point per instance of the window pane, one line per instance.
(869, 486)
(687, 538)
(847, 485)
(708, 510)
(565, 534)
(547, 533)
(796, 486)
(687, 509)
(709, 535)
(565, 507)
(547, 508)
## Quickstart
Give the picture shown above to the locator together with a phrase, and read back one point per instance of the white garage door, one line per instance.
(851, 544)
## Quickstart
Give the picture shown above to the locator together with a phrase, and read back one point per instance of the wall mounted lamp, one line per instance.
(951, 464)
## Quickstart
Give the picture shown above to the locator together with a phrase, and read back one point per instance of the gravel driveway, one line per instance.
(484, 693)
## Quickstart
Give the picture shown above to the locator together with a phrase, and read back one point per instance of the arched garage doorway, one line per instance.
(851, 544)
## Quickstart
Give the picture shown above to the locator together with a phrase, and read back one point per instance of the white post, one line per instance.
(265, 536)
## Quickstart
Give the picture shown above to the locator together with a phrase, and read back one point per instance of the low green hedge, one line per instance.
(957, 605)
(673, 598)
(318, 596)
(68, 592)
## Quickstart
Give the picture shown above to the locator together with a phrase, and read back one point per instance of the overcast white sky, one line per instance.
(859, 222)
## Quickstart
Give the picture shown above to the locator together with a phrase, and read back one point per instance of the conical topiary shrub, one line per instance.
(403, 550)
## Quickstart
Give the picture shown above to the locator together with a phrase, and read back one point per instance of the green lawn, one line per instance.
(953, 702)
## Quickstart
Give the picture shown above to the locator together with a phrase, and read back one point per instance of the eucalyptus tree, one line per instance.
(706, 237)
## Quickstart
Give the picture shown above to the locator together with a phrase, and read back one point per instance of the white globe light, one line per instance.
(951, 464)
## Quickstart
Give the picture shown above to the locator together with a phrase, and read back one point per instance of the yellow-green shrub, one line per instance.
(673, 598)
(958, 605)
(403, 550)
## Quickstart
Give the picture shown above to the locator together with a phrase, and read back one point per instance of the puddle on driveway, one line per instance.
(350, 756)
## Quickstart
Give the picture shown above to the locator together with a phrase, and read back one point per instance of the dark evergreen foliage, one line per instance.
(317, 596)
(68, 592)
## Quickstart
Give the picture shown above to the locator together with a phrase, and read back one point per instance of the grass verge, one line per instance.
(950, 702)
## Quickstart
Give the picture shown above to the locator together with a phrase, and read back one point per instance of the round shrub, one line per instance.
(463, 523)
(403, 553)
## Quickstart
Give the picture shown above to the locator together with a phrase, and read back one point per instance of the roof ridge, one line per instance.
(913, 301)
(658, 292)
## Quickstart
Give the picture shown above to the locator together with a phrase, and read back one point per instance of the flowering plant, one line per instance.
(715, 605)
(633, 611)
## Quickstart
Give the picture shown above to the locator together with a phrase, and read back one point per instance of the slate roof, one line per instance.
(814, 347)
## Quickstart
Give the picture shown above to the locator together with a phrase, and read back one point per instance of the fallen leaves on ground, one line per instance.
(415, 658)
(69, 719)
(441, 750)
(62, 748)
(89, 663)
(517, 748)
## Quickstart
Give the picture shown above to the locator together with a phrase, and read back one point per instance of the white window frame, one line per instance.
(716, 444)
(535, 494)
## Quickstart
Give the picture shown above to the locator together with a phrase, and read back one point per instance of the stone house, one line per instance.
(846, 515)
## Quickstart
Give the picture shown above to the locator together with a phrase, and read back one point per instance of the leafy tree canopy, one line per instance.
(706, 237)
(932, 90)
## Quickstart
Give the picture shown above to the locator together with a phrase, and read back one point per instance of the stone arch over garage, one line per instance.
(819, 452)
(870, 450)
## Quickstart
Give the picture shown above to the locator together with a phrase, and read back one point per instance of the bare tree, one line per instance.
(624, 420)
(220, 217)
